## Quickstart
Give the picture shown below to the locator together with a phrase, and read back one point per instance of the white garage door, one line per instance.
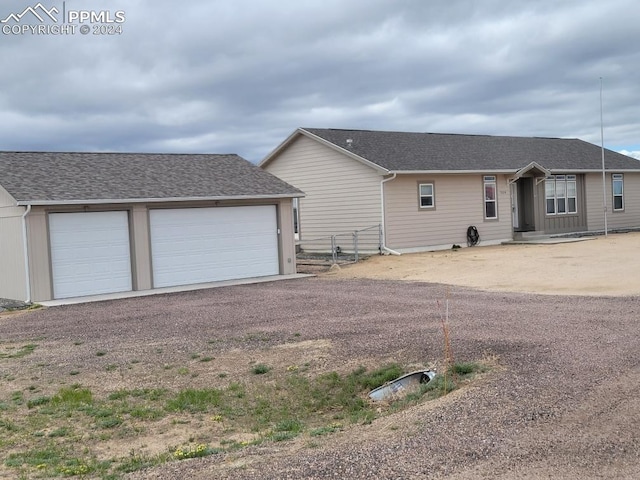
(90, 253)
(198, 245)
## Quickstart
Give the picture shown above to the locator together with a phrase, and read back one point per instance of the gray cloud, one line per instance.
(216, 76)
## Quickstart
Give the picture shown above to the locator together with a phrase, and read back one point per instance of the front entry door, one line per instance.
(526, 217)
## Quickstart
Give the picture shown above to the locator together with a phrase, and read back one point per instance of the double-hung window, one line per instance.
(426, 193)
(490, 199)
(561, 194)
(618, 192)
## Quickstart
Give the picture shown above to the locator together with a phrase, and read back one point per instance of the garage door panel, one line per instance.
(201, 245)
(90, 253)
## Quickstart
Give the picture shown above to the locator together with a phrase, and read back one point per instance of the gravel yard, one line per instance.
(562, 401)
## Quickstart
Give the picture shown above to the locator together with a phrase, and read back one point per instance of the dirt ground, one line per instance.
(562, 400)
(603, 266)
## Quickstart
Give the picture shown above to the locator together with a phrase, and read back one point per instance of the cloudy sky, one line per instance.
(238, 76)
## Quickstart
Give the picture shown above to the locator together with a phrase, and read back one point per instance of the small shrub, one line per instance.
(36, 402)
(59, 432)
(72, 396)
(466, 368)
(282, 436)
(195, 451)
(192, 400)
(8, 426)
(260, 369)
(377, 377)
(334, 427)
(110, 422)
(288, 425)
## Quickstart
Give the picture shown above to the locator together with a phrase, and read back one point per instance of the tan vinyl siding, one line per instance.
(287, 242)
(141, 251)
(6, 200)
(459, 203)
(39, 260)
(628, 218)
(12, 266)
(342, 194)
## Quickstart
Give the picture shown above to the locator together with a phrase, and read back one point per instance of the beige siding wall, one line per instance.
(39, 259)
(141, 248)
(459, 202)
(6, 200)
(342, 194)
(40, 263)
(629, 218)
(12, 267)
(287, 242)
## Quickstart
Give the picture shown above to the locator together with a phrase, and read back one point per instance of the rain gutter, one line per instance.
(384, 247)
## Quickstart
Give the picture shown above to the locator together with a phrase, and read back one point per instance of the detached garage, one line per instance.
(77, 224)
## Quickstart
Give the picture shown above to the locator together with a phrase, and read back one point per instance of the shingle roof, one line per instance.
(403, 151)
(74, 177)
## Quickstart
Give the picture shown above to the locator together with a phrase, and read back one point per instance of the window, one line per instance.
(618, 191)
(490, 199)
(426, 195)
(561, 194)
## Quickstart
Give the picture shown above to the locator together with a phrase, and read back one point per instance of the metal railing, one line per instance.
(342, 248)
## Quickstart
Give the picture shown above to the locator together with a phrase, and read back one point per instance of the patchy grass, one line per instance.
(64, 431)
(20, 352)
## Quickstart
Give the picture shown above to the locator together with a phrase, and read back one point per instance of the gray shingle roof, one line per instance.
(403, 151)
(72, 177)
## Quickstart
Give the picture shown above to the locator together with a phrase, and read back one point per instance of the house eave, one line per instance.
(452, 172)
(593, 170)
(104, 201)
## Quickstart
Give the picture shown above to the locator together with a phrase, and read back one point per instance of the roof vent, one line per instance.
(349, 141)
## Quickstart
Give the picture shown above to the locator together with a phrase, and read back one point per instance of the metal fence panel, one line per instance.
(345, 247)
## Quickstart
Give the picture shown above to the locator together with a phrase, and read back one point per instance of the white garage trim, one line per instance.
(198, 245)
(90, 253)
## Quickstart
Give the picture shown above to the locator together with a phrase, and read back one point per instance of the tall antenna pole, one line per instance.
(604, 178)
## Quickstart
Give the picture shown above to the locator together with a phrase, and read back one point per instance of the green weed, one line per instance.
(21, 352)
(193, 401)
(260, 369)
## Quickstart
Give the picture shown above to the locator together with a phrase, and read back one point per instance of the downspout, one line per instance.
(26, 253)
(384, 247)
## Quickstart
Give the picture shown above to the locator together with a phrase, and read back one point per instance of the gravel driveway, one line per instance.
(563, 402)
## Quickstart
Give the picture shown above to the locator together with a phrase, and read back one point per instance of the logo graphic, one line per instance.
(34, 11)
(70, 22)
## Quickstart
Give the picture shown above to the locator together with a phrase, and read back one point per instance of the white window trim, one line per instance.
(617, 177)
(433, 196)
(490, 180)
(565, 179)
(296, 218)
